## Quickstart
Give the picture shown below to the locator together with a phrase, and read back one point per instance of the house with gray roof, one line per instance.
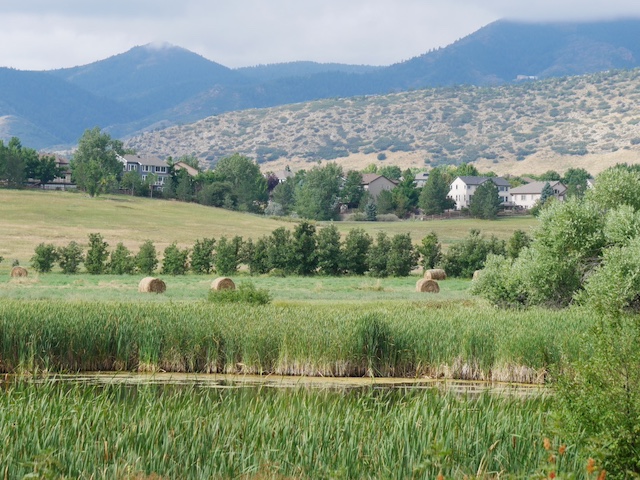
(526, 196)
(145, 166)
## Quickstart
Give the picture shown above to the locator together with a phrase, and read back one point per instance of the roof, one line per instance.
(422, 176)
(283, 174)
(184, 166)
(535, 188)
(498, 181)
(150, 160)
(368, 178)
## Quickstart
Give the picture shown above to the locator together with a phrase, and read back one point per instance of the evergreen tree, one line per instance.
(97, 255)
(329, 251)
(433, 197)
(547, 192)
(147, 258)
(485, 202)
(385, 202)
(516, 243)
(371, 210)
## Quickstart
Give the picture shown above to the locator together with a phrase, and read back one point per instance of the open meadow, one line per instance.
(325, 327)
(28, 218)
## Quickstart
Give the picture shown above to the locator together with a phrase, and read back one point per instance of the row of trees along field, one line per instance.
(236, 183)
(302, 251)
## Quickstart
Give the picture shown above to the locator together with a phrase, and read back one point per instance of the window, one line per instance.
(146, 168)
(131, 167)
(144, 177)
(161, 169)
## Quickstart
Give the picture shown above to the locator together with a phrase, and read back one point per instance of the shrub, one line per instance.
(97, 255)
(121, 261)
(245, 293)
(175, 261)
(470, 254)
(516, 243)
(329, 250)
(70, 258)
(44, 257)
(147, 259)
(227, 257)
(355, 250)
(202, 256)
(402, 257)
(377, 257)
(430, 251)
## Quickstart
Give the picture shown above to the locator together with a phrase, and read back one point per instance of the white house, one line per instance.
(145, 166)
(526, 196)
(462, 189)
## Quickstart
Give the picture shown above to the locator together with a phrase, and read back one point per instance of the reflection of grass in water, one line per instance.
(190, 432)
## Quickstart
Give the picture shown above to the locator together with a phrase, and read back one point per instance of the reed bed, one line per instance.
(408, 340)
(60, 430)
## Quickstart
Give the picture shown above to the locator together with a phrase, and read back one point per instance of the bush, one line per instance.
(227, 257)
(202, 256)
(147, 259)
(175, 261)
(466, 257)
(430, 251)
(121, 261)
(97, 255)
(44, 257)
(245, 293)
(70, 258)
(402, 256)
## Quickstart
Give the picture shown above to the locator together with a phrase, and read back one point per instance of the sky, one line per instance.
(47, 34)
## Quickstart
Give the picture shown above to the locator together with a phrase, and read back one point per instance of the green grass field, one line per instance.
(28, 218)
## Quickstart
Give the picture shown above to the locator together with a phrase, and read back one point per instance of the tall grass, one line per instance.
(76, 431)
(448, 340)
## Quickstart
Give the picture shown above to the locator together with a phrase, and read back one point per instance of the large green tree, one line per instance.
(95, 163)
(433, 197)
(317, 196)
(248, 185)
(485, 202)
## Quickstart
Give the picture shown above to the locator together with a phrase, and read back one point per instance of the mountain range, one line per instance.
(156, 86)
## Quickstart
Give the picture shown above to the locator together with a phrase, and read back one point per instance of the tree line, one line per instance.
(236, 183)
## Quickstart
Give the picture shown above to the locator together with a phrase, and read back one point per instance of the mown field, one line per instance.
(28, 218)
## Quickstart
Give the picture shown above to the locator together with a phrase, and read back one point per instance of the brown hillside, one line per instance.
(588, 121)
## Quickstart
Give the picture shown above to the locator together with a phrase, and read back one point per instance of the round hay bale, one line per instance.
(435, 274)
(477, 274)
(427, 285)
(223, 283)
(151, 285)
(19, 272)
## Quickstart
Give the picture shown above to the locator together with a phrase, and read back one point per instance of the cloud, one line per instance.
(44, 34)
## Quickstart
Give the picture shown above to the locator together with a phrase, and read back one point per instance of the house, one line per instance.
(60, 183)
(374, 184)
(463, 188)
(282, 175)
(526, 196)
(420, 179)
(192, 172)
(146, 165)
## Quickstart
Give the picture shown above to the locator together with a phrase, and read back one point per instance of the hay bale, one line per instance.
(435, 274)
(223, 283)
(477, 274)
(427, 285)
(19, 272)
(151, 285)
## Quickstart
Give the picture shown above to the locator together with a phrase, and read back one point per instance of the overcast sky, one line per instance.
(45, 34)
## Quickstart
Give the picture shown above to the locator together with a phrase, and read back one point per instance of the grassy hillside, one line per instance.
(32, 217)
(563, 121)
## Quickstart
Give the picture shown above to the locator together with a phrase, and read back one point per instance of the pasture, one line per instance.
(28, 218)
